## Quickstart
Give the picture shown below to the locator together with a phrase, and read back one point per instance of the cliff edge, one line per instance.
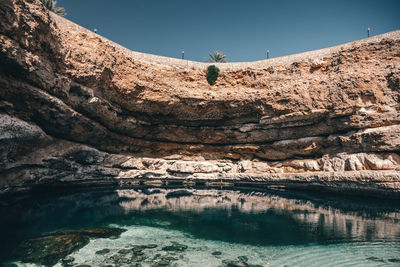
(78, 109)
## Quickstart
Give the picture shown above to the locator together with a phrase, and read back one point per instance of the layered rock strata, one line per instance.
(76, 108)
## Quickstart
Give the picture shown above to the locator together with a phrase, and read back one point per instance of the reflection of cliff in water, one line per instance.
(341, 219)
(257, 218)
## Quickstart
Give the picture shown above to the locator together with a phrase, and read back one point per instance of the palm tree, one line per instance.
(51, 5)
(217, 56)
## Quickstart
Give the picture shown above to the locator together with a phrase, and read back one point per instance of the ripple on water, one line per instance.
(200, 252)
(213, 228)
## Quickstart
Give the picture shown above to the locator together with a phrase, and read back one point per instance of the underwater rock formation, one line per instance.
(78, 109)
(49, 249)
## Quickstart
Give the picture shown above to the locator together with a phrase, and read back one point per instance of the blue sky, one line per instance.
(243, 30)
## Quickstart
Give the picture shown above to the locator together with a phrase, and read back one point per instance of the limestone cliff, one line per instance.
(76, 108)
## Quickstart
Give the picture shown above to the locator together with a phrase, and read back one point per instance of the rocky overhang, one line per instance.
(78, 109)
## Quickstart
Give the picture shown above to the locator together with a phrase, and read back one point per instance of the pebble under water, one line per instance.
(203, 227)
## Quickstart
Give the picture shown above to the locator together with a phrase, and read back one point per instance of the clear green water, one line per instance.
(245, 227)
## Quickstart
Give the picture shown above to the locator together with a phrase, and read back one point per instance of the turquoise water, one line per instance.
(218, 227)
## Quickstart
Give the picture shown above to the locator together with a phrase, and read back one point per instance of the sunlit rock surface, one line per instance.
(76, 108)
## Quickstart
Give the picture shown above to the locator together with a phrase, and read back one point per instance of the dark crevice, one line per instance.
(7, 171)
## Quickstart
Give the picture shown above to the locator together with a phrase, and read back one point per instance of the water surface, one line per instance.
(219, 227)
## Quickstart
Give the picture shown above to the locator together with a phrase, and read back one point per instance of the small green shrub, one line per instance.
(51, 5)
(212, 74)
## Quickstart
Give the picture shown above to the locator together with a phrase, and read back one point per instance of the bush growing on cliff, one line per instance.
(51, 5)
(212, 74)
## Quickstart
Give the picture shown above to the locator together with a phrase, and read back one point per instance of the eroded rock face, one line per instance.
(76, 108)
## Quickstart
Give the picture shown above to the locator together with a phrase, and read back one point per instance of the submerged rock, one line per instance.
(124, 251)
(99, 232)
(163, 263)
(175, 247)
(137, 249)
(137, 254)
(48, 250)
(103, 251)
(169, 258)
(119, 259)
(149, 246)
(235, 263)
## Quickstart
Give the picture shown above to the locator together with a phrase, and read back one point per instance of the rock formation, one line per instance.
(77, 109)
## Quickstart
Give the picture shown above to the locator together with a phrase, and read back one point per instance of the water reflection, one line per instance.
(260, 212)
(248, 217)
